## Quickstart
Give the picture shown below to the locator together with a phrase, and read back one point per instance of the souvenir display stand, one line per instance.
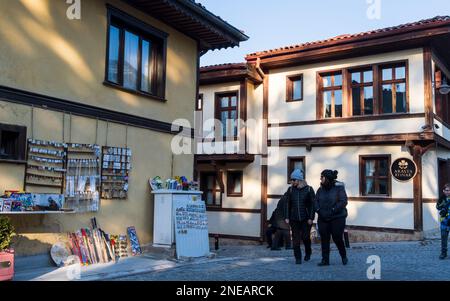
(45, 165)
(164, 217)
(115, 172)
(83, 177)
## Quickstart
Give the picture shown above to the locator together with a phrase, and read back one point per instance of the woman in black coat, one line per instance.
(330, 203)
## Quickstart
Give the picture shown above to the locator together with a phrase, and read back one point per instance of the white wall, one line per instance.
(254, 113)
(442, 131)
(306, 110)
(375, 127)
(208, 116)
(389, 215)
(430, 175)
(251, 198)
(234, 223)
(344, 159)
(430, 217)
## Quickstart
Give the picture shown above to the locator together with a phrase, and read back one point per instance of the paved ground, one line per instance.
(399, 261)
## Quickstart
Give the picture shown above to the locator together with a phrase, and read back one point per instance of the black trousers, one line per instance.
(301, 231)
(335, 229)
(282, 235)
(444, 240)
(269, 232)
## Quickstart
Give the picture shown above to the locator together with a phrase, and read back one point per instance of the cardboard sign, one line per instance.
(191, 227)
(403, 169)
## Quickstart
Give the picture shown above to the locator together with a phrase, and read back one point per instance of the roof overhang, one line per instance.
(194, 20)
(224, 158)
(434, 34)
(229, 73)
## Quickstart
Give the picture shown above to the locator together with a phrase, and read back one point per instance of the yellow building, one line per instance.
(104, 72)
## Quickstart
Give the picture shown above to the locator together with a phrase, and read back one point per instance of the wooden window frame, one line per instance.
(441, 102)
(158, 38)
(204, 174)
(362, 175)
(290, 166)
(230, 183)
(290, 87)
(20, 144)
(347, 105)
(393, 82)
(361, 85)
(218, 110)
(332, 88)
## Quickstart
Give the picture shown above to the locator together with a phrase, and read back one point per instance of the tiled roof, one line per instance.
(439, 20)
(226, 66)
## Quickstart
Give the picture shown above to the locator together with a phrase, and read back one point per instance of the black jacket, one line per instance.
(299, 203)
(277, 218)
(331, 204)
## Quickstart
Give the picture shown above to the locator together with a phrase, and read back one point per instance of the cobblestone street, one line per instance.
(399, 261)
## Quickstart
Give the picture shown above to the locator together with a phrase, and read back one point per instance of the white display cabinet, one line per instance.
(163, 215)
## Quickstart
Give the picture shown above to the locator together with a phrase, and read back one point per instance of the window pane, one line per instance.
(383, 169)
(233, 122)
(368, 100)
(223, 119)
(387, 99)
(297, 89)
(370, 187)
(224, 102)
(298, 165)
(368, 76)
(210, 182)
(217, 198)
(130, 67)
(327, 103)
(400, 72)
(209, 198)
(338, 103)
(113, 63)
(338, 80)
(387, 74)
(400, 98)
(146, 67)
(383, 187)
(370, 168)
(327, 81)
(356, 101)
(233, 101)
(236, 178)
(356, 78)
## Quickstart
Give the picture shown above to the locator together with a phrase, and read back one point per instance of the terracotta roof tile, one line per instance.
(223, 67)
(344, 37)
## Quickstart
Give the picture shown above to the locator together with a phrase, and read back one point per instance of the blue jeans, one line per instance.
(444, 240)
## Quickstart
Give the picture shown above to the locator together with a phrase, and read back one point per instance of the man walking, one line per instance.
(299, 214)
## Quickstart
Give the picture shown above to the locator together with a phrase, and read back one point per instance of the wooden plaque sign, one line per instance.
(403, 169)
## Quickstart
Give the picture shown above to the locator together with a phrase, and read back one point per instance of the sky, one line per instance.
(277, 23)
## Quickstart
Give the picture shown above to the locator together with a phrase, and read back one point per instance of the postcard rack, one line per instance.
(83, 177)
(115, 172)
(45, 167)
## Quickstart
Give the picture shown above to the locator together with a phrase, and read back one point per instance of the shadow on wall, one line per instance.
(25, 246)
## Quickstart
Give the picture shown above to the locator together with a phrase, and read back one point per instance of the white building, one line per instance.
(354, 103)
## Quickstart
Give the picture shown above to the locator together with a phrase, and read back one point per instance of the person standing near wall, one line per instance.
(330, 203)
(443, 205)
(299, 214)
(282, 233)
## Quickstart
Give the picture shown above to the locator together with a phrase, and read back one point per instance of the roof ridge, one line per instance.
(436, 19)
